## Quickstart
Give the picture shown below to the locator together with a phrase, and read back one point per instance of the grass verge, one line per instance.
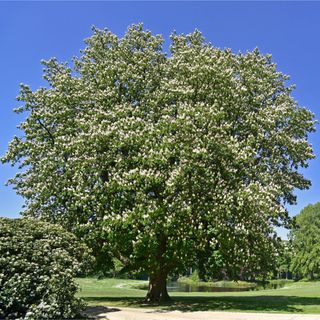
(298, 297)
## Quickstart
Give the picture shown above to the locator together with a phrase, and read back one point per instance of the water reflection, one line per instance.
(173, 286)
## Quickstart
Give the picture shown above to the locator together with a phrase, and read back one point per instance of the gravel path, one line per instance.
(149, 314)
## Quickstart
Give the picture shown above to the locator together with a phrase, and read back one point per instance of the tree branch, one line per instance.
(47, 130)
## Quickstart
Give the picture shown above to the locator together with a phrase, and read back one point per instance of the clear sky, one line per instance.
(31, 31)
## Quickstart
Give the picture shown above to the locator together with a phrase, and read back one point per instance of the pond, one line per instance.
(174, 286)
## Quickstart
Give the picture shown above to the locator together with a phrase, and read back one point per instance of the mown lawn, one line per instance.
(297, 297)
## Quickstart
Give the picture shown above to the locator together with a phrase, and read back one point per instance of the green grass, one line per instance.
(297, 297)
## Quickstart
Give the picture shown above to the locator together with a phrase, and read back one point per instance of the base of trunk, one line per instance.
(157, 292)
(157, 298)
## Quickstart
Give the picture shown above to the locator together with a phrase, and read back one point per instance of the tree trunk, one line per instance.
(311, 275)
(157, 288)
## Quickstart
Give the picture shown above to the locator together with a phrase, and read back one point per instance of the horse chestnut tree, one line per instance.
(154, 157)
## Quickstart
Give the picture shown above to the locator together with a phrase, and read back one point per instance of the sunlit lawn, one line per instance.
(298, 297)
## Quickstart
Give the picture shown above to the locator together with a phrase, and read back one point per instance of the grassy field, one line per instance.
(297, 297)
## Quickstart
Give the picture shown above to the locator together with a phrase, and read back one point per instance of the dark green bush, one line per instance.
(38, 262)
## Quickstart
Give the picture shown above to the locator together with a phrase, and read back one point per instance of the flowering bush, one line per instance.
(38, 262)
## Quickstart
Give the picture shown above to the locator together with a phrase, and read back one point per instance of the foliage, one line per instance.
(284, 261)
(194, 276)
(155, 158)
(38, 263)
(306, 242)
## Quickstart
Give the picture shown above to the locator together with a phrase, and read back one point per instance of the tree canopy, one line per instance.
(306, 242)
(156, 158)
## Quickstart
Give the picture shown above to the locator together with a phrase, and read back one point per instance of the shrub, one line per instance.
(195, 276)
(38, 262)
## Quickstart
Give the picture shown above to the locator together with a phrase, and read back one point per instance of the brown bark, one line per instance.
(157, 292)
(311, 275)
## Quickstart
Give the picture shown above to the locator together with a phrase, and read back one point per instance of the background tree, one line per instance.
(306, 242)
(153, 158)
(283, 261)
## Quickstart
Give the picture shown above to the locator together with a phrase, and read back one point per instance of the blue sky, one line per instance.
(31, 31)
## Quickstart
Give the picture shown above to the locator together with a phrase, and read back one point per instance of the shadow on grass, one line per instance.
(261, 303)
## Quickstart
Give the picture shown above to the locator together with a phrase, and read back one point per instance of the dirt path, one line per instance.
(110, 313)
